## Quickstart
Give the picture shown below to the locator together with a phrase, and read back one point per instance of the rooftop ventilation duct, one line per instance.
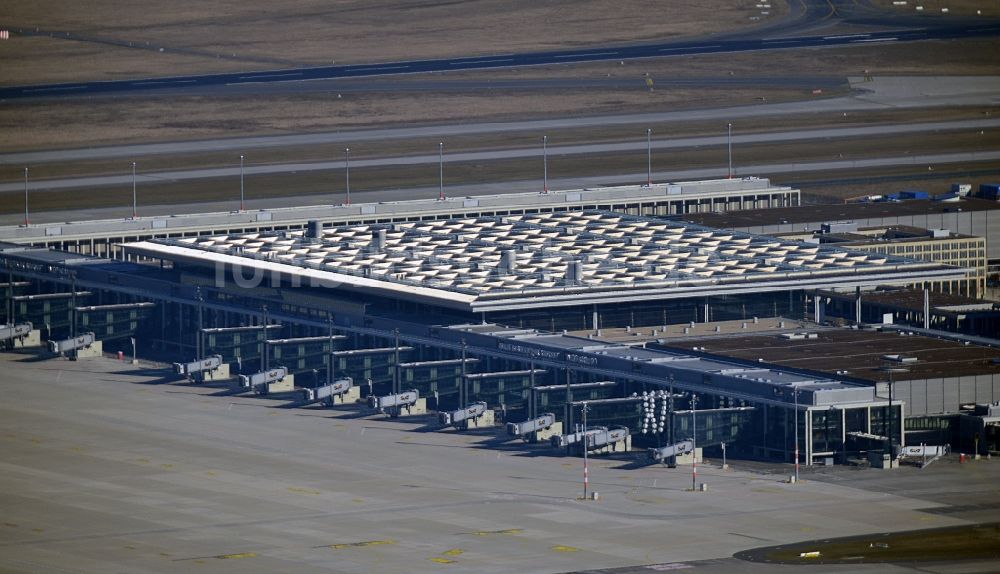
(508, 262)
(574, 273)
(378, 240)
(314, 229)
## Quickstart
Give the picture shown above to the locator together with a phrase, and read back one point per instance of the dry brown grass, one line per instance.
(330, 183)
(347, 31)
(106, 121)
(367, 149)
(257, 34)
(43, 60)
(75, 123)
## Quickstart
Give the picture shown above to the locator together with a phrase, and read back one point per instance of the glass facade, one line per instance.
(511, 389)
(51, 315)
(303, 357)
(785, 304)
(377, 365)
(881, 422)
(442, 378)
(235, 346)
(712, 427)
(553, 399)
(827, 431)
(109, 324)
(610, 414)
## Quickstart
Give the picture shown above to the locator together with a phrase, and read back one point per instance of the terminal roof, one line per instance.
(541, 260)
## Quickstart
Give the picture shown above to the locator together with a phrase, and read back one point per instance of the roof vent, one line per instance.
(378, 240)
(574, 273)
(314, 229)
(508, 261)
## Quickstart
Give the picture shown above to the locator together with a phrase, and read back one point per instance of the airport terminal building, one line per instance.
(510, 310)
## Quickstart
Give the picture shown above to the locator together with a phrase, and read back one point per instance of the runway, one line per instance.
(191, 84)
(882, 93)
(833, 173)
(562, 151)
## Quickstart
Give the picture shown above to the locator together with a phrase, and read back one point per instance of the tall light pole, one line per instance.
(241, 184)
(440, 171)
(72, 316)
(263, 341)
(834, 411)
(649, 157)
(795, 393)
(26, 222)
(134, 214)
(463, 390)
(199, 342)
(329, 357)
(892, 451)
(545, 164)
(729, 139)
(672, 461)
(396, 372)
(347, 173)
(694, 443)
(586, 447)
(891, 370)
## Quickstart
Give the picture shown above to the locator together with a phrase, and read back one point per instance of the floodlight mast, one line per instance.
(649, 157)
(694, 443)
(26, 221)
(545, 164)
(795, 393)
(440, 171)
(134, 211)
(242, 207)
(730, 146)
(347, 174)
(586, 447)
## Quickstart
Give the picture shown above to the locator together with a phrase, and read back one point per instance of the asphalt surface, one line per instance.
(783, 36)
(828, 173)
(441, 83)
(107, 467)
(879, 94)
(556, 151)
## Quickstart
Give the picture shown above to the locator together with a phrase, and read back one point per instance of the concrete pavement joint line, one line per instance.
(623, 541)
(401, 509)
(235, 556)
(508, 531)
(363, 544)
(255, 522)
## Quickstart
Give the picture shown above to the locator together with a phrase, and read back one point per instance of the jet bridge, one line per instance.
(20, 335)
(395, 404)
(543, 427)
(276, 380)
(340, 391)
(665, 454)
(476, 414)
(594, 439)
(81, 347)
(208, 369)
